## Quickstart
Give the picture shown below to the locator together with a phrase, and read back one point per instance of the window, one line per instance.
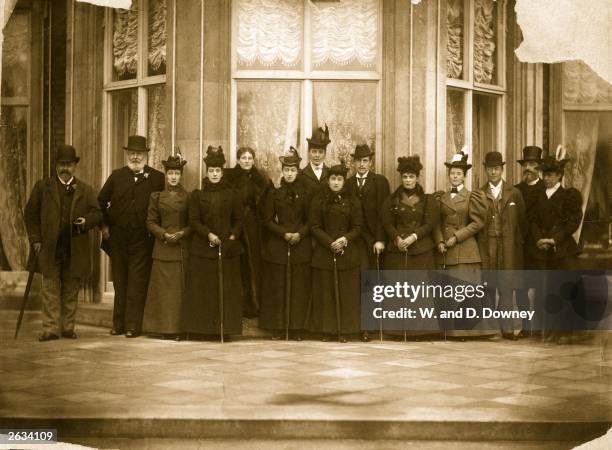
(300, 64)
(475, 79)
(135, 77)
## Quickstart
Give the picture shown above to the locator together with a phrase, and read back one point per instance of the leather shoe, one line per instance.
(510, 336)
(69, 334)
(365, 337)
(47, 337)
(132, 334)
(342, 339)
(116, 332)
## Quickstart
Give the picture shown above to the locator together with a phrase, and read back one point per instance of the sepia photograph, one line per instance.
(305, 224)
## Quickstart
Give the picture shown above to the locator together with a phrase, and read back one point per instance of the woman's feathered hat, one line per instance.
(319, 139)
(459, 159)
(554, 163)
(174, 162)
(409, 164)
(290, 158)
(338, 169)
(214, 157)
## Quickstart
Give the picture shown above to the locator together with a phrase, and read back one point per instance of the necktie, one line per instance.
(454, 191)
(361, 181)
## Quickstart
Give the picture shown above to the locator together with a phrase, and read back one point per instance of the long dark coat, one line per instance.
(333, 215)
(42, 219)
(167, 284)
(402, 216)
(251, 187)
(513, 231)
(530, 195)
(216, 208)
(555, 218)
(314, 184)
(286, 211)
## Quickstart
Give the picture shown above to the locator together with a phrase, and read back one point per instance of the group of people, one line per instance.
(193, 264)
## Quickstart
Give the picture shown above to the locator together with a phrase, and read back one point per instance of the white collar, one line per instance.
(65, 183)
(316, 167)
(552, 190)
(362, 176)
(534, 182)
(459, 188)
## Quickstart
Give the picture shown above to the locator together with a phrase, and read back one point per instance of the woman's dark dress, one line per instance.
(286, 211)
(252, 187)
(333, 215)
(214, 209)
(167, 286)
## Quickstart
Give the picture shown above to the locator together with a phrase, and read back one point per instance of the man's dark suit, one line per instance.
(313, 183)
(372, 194)
(124, 202)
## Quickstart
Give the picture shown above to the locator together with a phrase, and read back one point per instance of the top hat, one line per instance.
(214, 157)
(66, 153)
(174, 162)
(319, 139)
(493, 159)
(291, 158)
(459, 159)
(409, 164)
(531, 153)
(362, 151)
(338, 169)
(554, 163)
(137, 144)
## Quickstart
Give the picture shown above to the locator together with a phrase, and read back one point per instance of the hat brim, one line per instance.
(458, 166)
(501, 163)
(523, 161)
(363, 155)
(317, 144)
(76, 159)
(141, 150)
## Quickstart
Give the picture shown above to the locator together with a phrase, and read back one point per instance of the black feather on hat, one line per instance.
(174, 162)
(291, 158)
(214, 157)
(554, 163)
(319, 139)
(409, 164)
(338, 169)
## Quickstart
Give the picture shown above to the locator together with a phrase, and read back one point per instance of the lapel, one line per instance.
(309, 172)
(369, 181)
(446, 199)
(78, 193)
(147, 174)
(506, 194)
(52, 189)
(461, 197)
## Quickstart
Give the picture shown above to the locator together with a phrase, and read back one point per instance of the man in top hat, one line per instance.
(59, 212)
(505, 230)
(124, 199)
(316, 172)
(531, 186)
(372, 189)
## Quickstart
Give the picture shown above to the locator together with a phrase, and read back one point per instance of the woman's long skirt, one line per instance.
(251, 264)
(203, 305)
(464, 326)
(274, 290)
(165, 297)
(323, 312)
(421, 324)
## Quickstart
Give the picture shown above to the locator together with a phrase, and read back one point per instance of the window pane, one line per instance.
(156, 123)
(16, 56)
(485, 41)
(125, 43)
(157, 37)
(268, 120)
(270, 34)
(13, 179)
(345, 35)
(484, 132)
(455, 122)
(124, 122)
(349, 110)
(455, 16)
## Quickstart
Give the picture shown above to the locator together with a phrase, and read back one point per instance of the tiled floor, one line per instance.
(100, 376)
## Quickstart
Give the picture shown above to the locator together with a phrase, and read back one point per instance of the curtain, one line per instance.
(125, 42)
(454, 44)
(269, 32)
(582, 86)
(157, 125)
(455, 122)
(484, 41)
(157, 36)
(345, 32)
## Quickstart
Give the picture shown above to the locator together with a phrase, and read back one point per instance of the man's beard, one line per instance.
(136, 167)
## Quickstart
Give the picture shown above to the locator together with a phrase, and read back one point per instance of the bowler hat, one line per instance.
(174, 162)
(66, 153)
(531, 153)
(137, 144)
(291, 158)
(493, 159)
(214, 157)
(362, 151)
(319, 139)
(409, 164)
(459, 160)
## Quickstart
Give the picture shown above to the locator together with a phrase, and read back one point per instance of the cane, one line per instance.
(287, 291)
(405, 300)
(220, 291)
(31, 266)
(380, 321)
(337, 295)
(444, 268)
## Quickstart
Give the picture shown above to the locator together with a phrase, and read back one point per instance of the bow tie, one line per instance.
(139, 176)
(454, 191)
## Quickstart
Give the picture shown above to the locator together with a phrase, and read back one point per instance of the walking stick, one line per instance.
(287, 291)
(220, 291)
(405, 300)
(337, 295)
(380, 321)
(31, 266)
(444, 268)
